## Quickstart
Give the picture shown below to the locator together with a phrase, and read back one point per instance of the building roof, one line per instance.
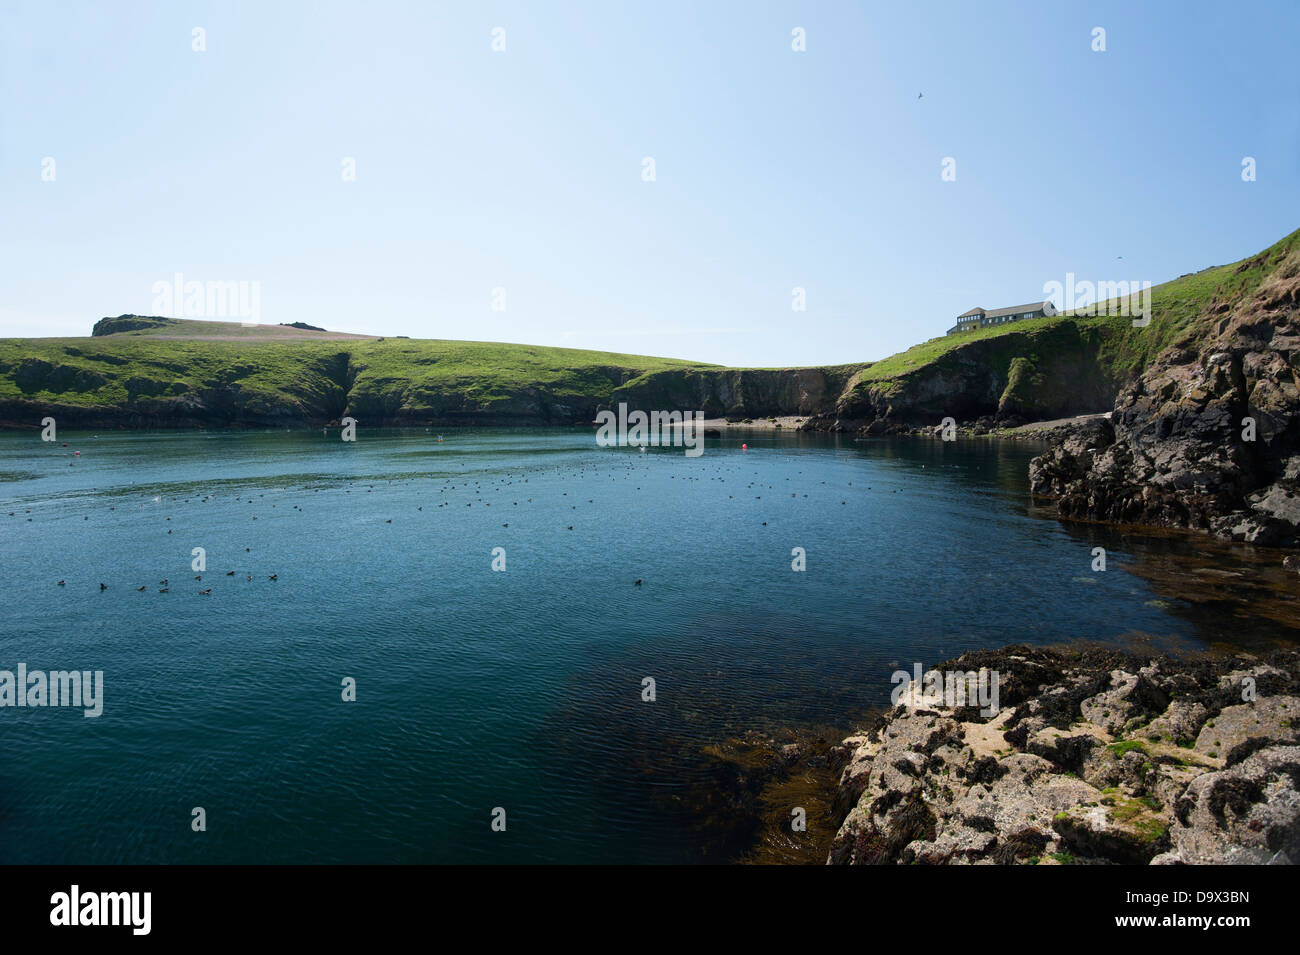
(976, 313)
(1015, 309)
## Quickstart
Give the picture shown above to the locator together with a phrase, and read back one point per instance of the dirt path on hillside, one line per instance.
(1036, 426)
(256, 337)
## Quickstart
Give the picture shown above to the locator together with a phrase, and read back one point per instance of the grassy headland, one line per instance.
(191, 377)
(1043, 368)
(138, 371)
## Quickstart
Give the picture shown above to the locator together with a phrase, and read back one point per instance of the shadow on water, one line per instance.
(722, 756)
(1235, 596)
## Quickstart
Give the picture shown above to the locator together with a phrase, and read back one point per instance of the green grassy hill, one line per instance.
(141, 371)
(191, 373)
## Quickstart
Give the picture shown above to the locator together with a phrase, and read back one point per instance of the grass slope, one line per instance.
(116, 371)
(1052, 367)
(1179, 312)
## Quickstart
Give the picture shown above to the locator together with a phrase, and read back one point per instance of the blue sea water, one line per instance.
(522, 689)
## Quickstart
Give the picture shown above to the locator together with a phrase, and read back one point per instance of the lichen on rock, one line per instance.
(1099, 756)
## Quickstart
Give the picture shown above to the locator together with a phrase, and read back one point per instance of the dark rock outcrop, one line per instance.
(1208, 437)
(127, 323)
(739, 392)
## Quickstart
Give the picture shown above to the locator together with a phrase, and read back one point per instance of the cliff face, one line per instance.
(318, 393)
(1039, 373)
(740, 393)
(84, 388)
(1207, 437)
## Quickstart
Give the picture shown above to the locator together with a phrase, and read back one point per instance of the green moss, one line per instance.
(1138, 815)
(1123, 746)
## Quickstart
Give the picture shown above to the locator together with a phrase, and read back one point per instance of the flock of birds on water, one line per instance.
(506, 480)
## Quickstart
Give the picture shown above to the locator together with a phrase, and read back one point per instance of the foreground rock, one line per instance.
(1094, 756)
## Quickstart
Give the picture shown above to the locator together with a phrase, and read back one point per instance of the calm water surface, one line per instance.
(478, 689)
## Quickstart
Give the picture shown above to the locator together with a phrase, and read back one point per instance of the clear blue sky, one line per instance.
(522, 169)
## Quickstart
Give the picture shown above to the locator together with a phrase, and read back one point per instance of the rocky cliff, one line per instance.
(116, 325)
(740, 393)
(1048, 369)
(1093, 756)
(1208, 436)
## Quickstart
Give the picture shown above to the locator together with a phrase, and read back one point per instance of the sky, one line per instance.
(502, 194)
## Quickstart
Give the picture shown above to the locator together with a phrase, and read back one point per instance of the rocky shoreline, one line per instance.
(1095, 756)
